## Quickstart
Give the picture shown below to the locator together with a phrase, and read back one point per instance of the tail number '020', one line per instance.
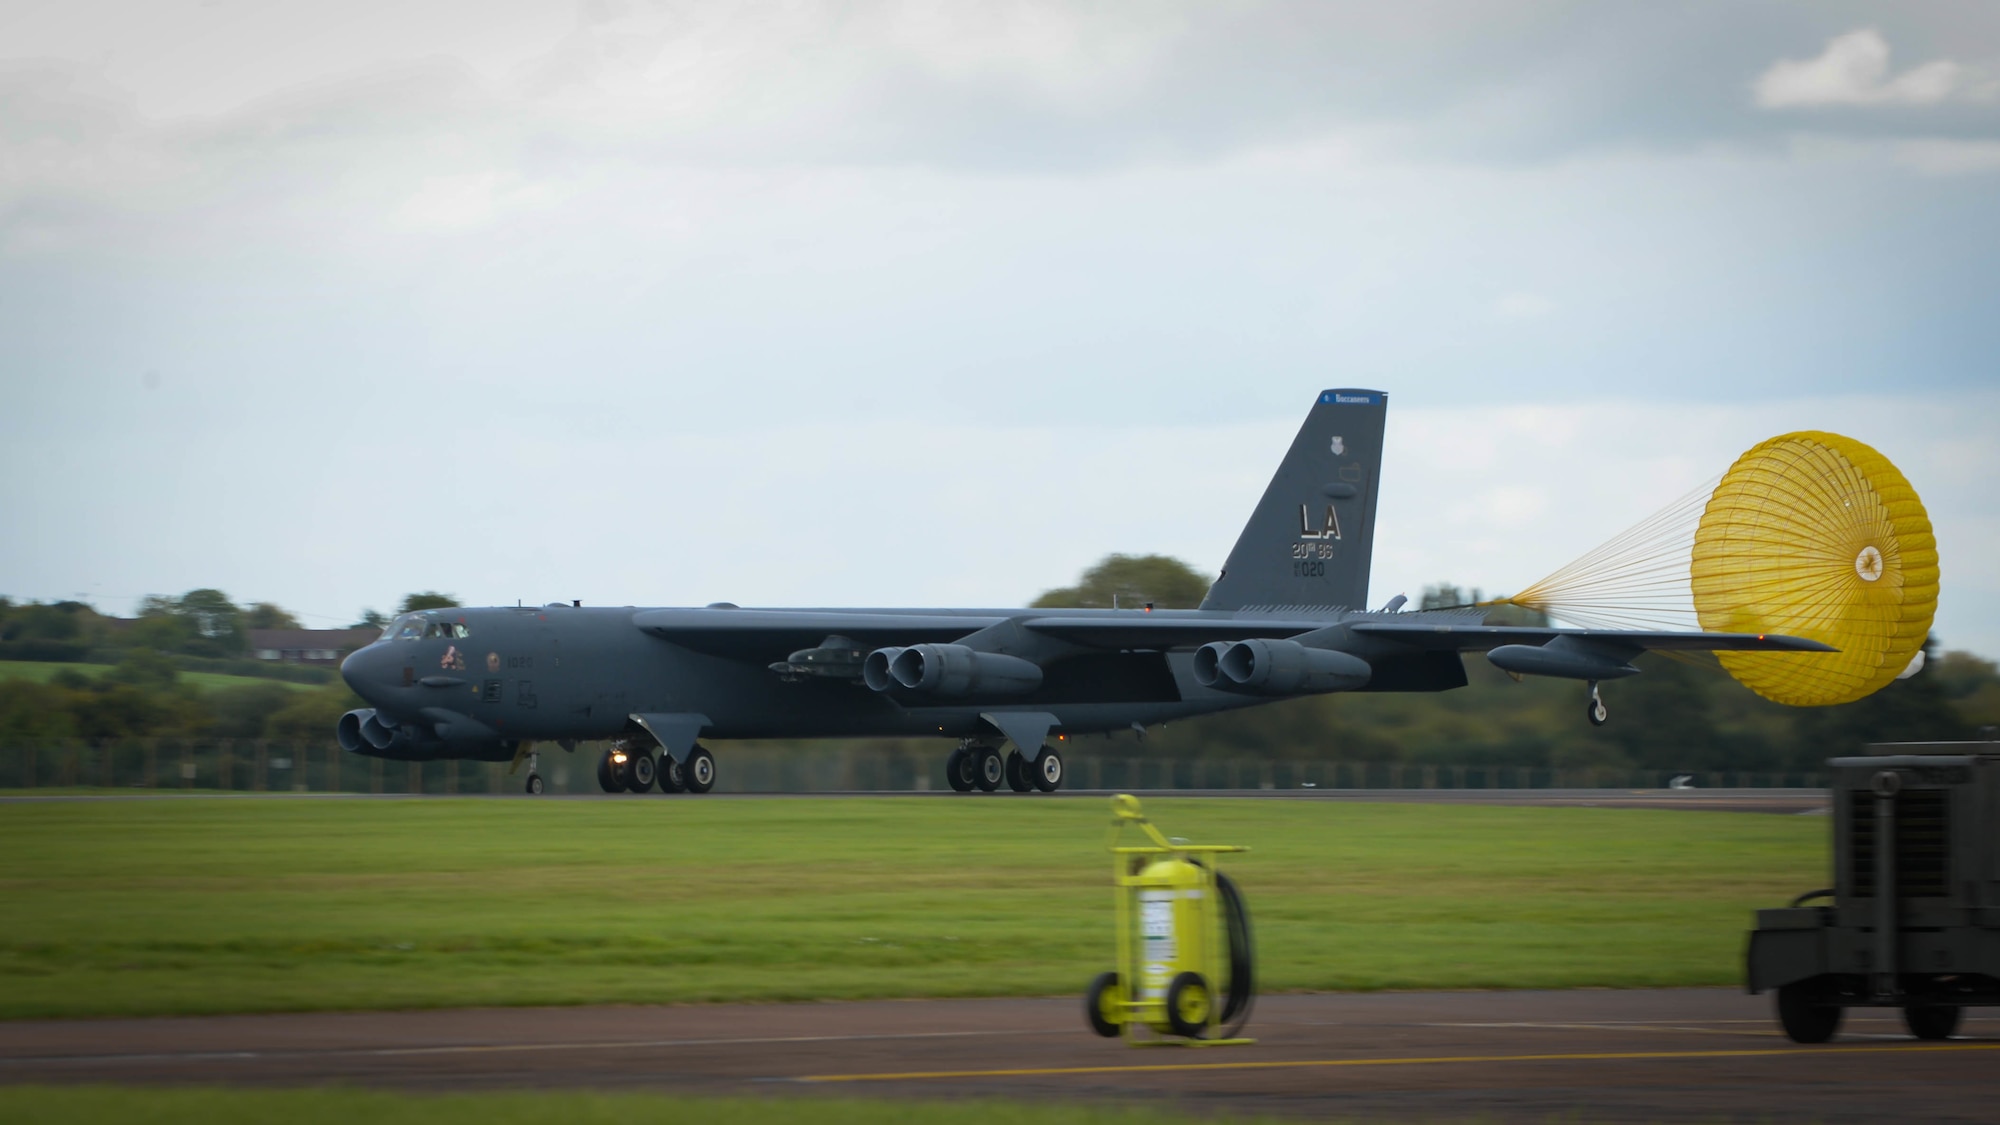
(1309, 568)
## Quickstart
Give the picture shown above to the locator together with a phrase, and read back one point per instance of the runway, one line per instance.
(1780, 801)
(1668, 1055)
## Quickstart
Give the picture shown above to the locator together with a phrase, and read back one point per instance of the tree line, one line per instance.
(149, 688)
(1679, 715)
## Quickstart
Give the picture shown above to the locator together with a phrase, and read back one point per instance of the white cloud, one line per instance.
(1854, 70)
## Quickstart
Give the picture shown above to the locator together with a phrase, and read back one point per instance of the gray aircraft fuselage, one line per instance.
(1283, 619)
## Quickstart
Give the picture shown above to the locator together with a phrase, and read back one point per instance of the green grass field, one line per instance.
(43, 671)
(87, 1106)
(215, 905)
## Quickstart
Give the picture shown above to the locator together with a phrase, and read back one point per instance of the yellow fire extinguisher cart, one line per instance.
(1185, 964)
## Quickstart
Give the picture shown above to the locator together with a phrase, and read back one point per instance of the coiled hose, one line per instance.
(1242, 994)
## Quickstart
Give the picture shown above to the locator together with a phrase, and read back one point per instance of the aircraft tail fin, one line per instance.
(1310, 540)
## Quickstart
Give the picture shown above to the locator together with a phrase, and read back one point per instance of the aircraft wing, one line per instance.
(765, 634)
(1135, 631)
(1479, 638)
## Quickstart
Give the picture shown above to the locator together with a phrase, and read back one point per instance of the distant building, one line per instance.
(308, 646)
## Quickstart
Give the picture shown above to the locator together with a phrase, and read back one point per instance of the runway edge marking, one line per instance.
(1294, 1064)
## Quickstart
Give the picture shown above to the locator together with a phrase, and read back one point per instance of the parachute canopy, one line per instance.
(1816, 535)
(1809, 535)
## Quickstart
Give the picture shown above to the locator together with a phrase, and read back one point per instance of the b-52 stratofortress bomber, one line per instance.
(1285, 618)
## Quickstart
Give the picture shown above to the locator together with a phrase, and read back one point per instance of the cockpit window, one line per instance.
(408, 627)
(452, 629)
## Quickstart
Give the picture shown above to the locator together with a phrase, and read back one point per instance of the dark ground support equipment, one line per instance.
(1912, 920)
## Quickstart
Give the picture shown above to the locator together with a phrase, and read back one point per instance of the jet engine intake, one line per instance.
(956, 670)
(381, 735)
(348, 732)
(875, 669)
(1277, 667)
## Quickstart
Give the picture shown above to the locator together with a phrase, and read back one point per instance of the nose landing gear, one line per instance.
(630, 767)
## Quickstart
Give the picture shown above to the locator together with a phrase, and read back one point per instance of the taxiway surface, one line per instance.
(1597, 1055)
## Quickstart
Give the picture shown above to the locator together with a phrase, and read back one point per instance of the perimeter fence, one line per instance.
(322, 767)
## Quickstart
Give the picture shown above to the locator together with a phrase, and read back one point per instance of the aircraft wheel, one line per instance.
(989, 770)
(1103, 1006)
(1188, 1005)
(699, 772)
(1017, 773)
(1805, 1018)
(607, 777)
(1932, 1021)
(534, 785)
(958, 770)
(1047, 774)
(1594, 709)
(639, 772)
(673, 775)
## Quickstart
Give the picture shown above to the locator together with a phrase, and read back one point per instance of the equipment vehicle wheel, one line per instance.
(673, 776)
(1103, 1006)
(989, 771)
(1017, 773)
(1932, 1021)
(1188, 1005)
(607, 778)
(958, 770)
(1047, 774)
(534, 785)
(639, 771)
(699, 771)
(1804, 1016)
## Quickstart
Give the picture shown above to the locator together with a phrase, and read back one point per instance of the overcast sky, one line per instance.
(904, 304)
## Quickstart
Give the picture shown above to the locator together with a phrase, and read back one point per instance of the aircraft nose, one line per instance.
(366, 671)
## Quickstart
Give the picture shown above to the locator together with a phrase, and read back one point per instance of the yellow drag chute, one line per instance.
(1816, 535)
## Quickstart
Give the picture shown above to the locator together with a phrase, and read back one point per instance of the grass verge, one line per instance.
(42, 672)
(219, 905)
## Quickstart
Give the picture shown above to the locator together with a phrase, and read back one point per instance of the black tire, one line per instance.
(958, 767)
(1189, 1002)
(988, 771)
(1104, 990)
(1596, 712)
(1017, 773)
(1806, 1017)
(1932, 1021)
(607, 778)
(640, 770)
(698, 773)
(1047, 774)
(534, 785)
(673, 778)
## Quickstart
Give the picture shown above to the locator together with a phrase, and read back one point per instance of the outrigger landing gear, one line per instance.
(1594, 708)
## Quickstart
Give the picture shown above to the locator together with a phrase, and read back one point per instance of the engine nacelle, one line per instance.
(1267, 667)
(348, 732)
(950, 670)
(875, 669)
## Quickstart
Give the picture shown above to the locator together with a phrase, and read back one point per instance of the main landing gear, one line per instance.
(634, 768)
(980, 766)
(534, 786)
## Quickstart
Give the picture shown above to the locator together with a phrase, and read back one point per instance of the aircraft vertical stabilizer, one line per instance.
(1310, 539)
